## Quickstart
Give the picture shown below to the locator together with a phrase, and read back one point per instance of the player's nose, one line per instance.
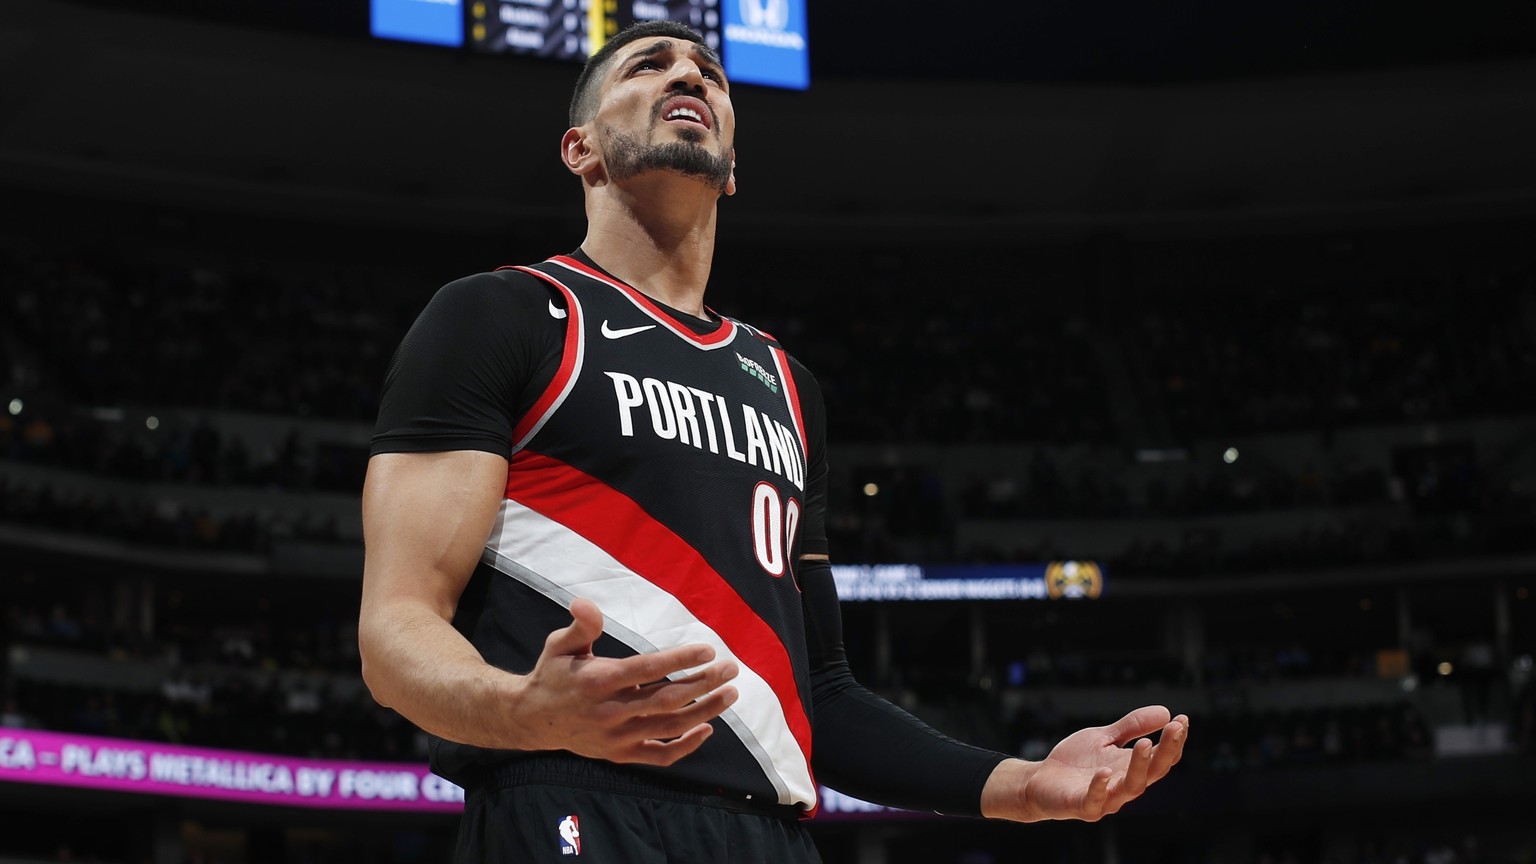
(687, 77)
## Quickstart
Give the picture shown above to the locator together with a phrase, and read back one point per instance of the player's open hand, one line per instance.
(1090, 773)
(619, 709)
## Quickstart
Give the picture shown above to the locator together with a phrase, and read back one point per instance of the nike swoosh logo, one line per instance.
(627, 331)
(556, 311)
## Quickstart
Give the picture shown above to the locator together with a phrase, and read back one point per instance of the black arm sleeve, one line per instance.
(478, 355)
(813, 522)
(855, 732)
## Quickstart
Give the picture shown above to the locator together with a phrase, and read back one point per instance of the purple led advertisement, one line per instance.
(148, 767)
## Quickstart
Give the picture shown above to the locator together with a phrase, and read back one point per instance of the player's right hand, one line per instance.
(620, 709)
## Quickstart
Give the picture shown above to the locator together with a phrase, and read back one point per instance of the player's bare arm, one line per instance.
(426, 517)
(1090, 773)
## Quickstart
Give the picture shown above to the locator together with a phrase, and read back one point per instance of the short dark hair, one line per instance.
(584, 100)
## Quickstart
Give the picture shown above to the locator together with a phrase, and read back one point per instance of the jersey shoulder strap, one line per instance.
(760, 335)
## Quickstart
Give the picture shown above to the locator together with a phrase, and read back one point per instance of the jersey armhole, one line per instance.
(571, 355)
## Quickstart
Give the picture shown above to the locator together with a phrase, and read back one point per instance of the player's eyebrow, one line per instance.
(703, 52)
(707, 54)
(651, 50)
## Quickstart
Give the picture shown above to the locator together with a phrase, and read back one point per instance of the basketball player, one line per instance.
(597, 571)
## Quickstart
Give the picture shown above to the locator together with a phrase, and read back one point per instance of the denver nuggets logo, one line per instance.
(1073, 580)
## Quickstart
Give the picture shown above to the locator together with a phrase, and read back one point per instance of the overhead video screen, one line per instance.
(432, 22)
(765, 43)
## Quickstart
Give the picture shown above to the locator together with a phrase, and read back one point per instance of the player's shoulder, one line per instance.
(798, 369)
(803, 375)
(491, 295)
(507, 283)
(752, 331)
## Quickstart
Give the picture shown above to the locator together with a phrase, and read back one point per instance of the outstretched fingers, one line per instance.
(643, 669)
(575, 639)
(671, 724)
(1096, 800)
(1138, 774)
(663, 738)
(670, 694)
(662, 753)
(633, 705)
(1150, 763)
(1137, 724)
(1170, 747)
(652, 708)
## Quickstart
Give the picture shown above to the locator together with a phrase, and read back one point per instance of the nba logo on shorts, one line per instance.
(570, 836)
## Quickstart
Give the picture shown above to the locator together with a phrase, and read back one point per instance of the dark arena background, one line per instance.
(1232, 303)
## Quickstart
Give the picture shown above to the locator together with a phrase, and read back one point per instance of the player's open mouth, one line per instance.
(686, 109)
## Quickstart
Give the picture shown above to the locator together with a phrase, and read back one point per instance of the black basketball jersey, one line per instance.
(661, 474)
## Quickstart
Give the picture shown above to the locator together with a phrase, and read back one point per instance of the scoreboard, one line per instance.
(760, 41)
(540, 28)
(575, 29)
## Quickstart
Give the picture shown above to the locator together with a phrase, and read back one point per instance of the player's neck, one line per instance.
(659, 238)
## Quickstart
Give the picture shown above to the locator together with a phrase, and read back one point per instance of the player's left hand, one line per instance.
(1090, 773)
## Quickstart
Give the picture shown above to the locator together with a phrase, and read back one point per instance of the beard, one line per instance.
(628, 157)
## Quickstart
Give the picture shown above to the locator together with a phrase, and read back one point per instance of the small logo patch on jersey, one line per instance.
(570, 835)
(756, 370)
(625, 331)
(556, 311)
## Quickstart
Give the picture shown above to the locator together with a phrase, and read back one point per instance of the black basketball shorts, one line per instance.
(597, 815)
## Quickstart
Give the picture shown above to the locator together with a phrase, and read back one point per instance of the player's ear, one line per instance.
(730, 182)
(577, 152)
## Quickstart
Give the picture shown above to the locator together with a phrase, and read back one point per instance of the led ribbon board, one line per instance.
(1057, 580)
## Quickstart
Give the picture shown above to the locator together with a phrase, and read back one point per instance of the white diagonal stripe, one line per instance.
(561, 564)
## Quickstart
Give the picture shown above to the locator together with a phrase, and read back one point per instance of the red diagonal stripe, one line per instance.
(623, 529)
